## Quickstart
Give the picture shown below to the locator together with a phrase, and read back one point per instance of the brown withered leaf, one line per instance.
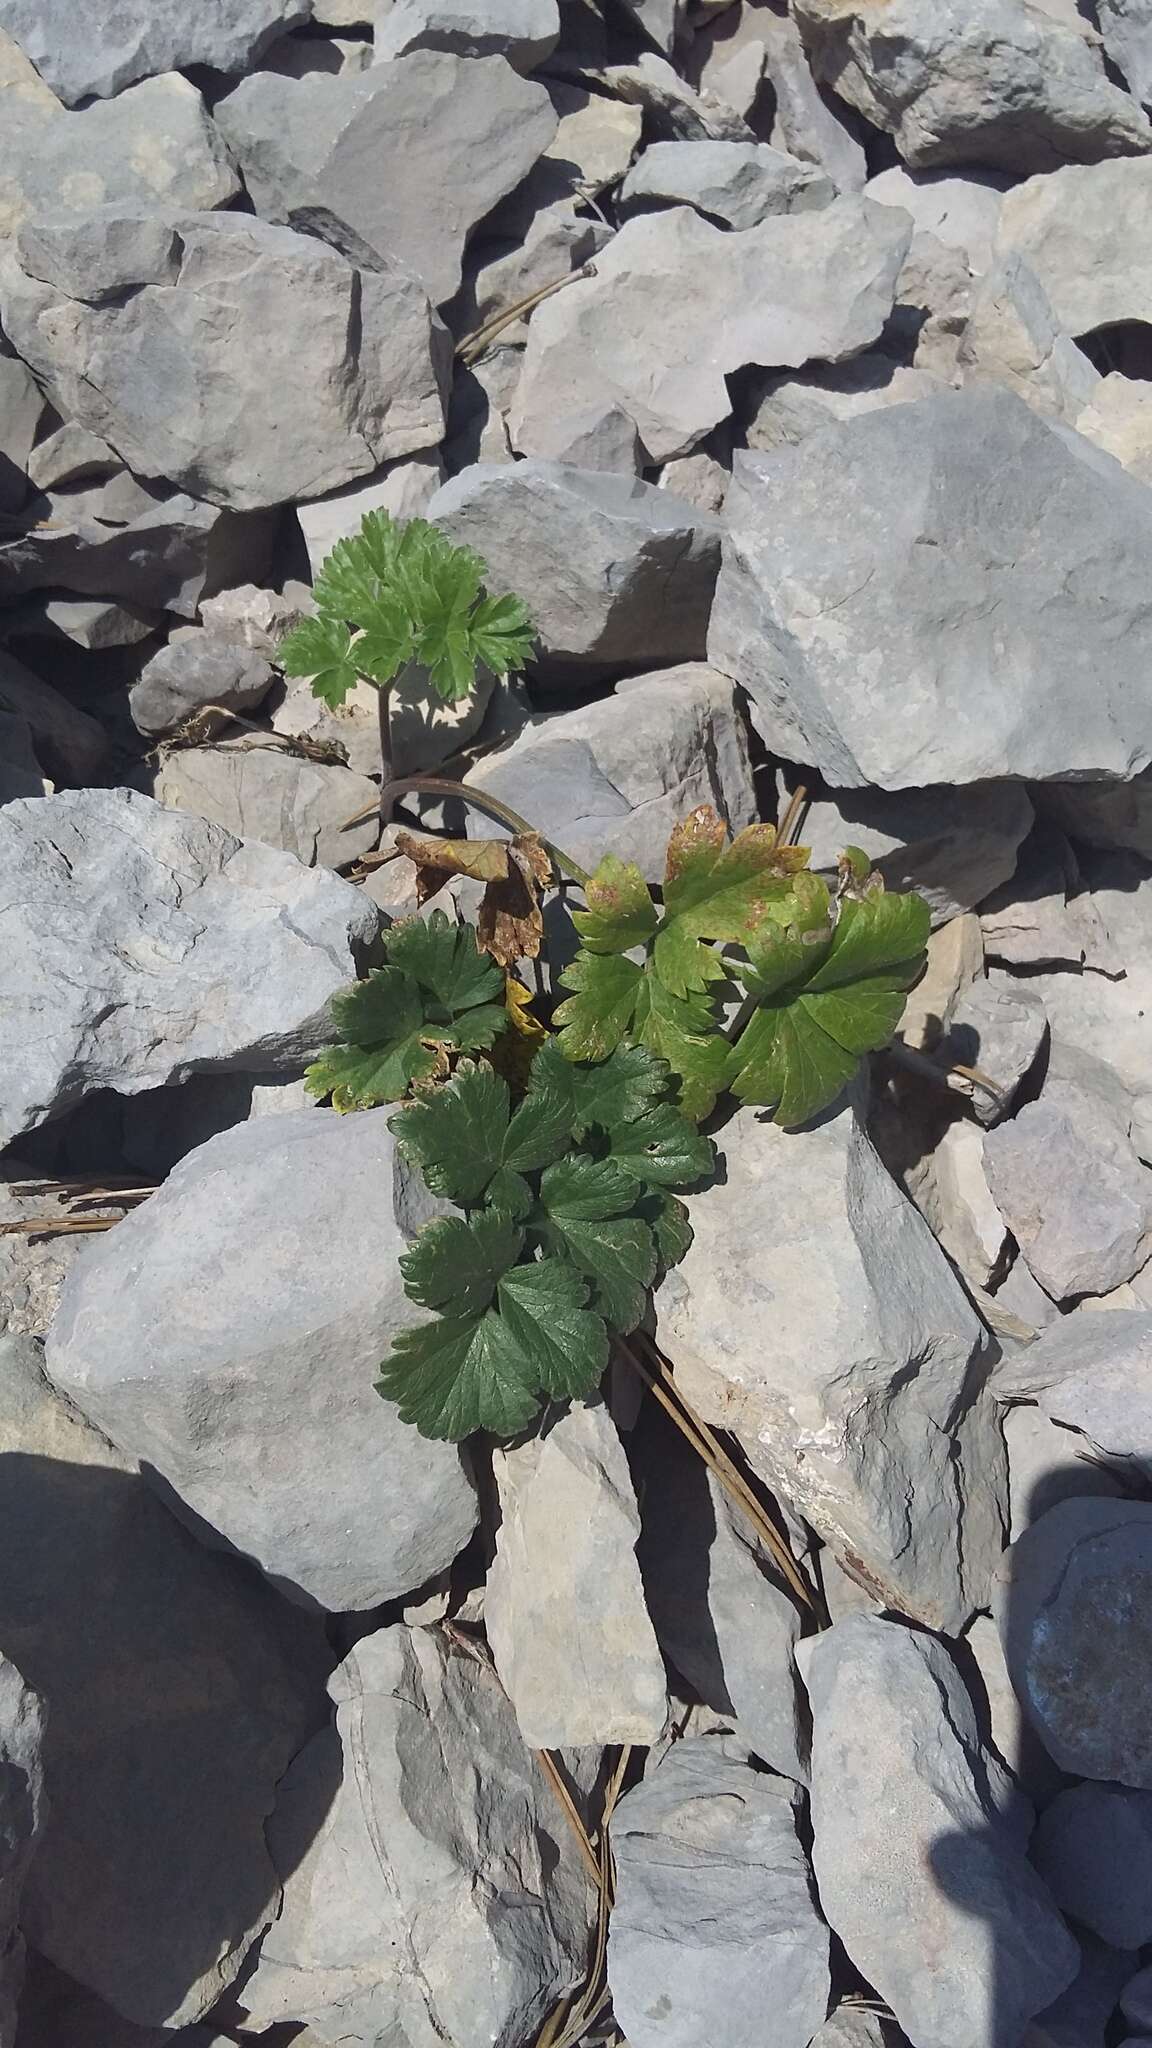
(700, 843)
(509, 923)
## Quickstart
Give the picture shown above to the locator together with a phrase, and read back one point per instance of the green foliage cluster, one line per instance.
(568, 1213)
(399, 592)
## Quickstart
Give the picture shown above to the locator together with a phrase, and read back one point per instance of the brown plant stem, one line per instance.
(442, 785)
(387, 784)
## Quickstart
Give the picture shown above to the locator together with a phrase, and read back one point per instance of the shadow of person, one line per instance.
(178, 1686)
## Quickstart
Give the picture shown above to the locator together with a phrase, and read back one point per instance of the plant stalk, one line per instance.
(442, 785)
(387, 782)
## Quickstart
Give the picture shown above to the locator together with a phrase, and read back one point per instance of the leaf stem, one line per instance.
(442, 785)
(387, 780)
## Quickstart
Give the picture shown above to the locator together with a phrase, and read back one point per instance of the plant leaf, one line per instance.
(661, 1148)
(322, 649)
(620, 913)
(502, 634)
(444, 958)
(389, 1045)
(454, 1265)
(683, 1031)
(542, 1309)
(583, 1215)
(385, 645)
(713, 890)
(456, 1136)
(458, 1374)
(509, 923)
(668, 1221)
(600, 1013)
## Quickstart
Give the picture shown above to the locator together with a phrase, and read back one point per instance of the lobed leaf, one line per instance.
(453, 1266)
(321, 648)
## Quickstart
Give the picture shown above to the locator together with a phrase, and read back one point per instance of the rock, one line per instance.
(1136, 2002)
(902, 526)
(927, 1885)
(168, 553)
(194, 669)
(796, 287)
(674, 111)
(806, 123)
(295, 56)
(951, 1191)
(955, 960)
(249, 616)
(789, 407)
(867, 1412)
(962, 211)
(735, 184)
(258, 791)
(523, 31)
(699, 479)
(72, 746)
(1091, 1375)
(984, 82)
(662, 20)
(602, 438)
(384, 1508)
(401, 488)
(1126, 26)
(1012, 338)
(55, 2008)
(1046, 916)
(855, 2026)
(714, 1917)
(22, 1816)
(721, 1613)
(1080, 2017)
(564, 1608)
(355, 726)
(186, 951)
(618, 775)
(21, 407)
(1118, 418)
(1108, 1011)
(154, 147)
(557, 240)
(1073, 1612)
(618, 573)
(1093, 1848)
(595, 137)
(1080, 233)
(407, 158)
(1047, 1463)
(93, 623)
(208, 400)
(81, 58)
(999, 1713)
(176, 1690)
(1000, 1026)
(441, 1897)
(20, 771)
(1073, 1194)
(1113, 815)
(952, 846)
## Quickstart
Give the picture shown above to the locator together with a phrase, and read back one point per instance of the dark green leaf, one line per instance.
(668, 1221)
(582, 1187)
(445, 959)
(456, 1136)
(321, 648)
(877, 933)
(662, 1149)
(684, 1032)
(542, 1309)
(454, 1265)
(389, 1045)
(502, 634)
(583, 1215)
(456, 1375)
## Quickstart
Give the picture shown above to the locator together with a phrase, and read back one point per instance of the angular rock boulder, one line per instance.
(167, 550)
(867, 1409)
(439, 1894)
(882, 580)
(142, 946)
(228, 1334)
(176, 1689)
(1105, 1013)
(1073, 1193)
(951, 845)
(1083, 233)
(523, 31)
(714, 1921)
(1093, 1848)
(617, 573)
(736, 184)
(244, 362)
(84, 54)
(1091, 1374)
(22, 1817)
(1126, 26)
(920, 1872)
(266, 794)
(985, 82)
(196, 668)
(72, 746)
(799, 287)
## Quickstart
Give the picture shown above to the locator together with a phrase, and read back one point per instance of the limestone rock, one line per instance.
(789, 406)
(252, 617)
(229, 1373)
(1113, 815)
(951, 1191)
(867, 1377)
(1075, 1613)
(21, 407)
(1118, 418)
(1045, 916)
(407, 158)
(72, 746)
(914, 557)
(437, 1894)
(919, 1872)
(674, 111)
(235, 332)
(1082, 233)
(955, 959)
(1048, 1463)
(180, 949)
(83, 55)
(597, 137)
(714, 1918)
(953, 846)
(1000, 1026)
(1093, 1848)
(618, 775)
(176, 1690)
(985, 82)
(523, 31)
(1091, 1374)
(167, 551)
(961, 209)
(196, 668)
(662, 20)
(1012, 338)
(1074, 1195)
(20, 772)
(564, 1607)
(1107, 1012)
(797, 287)
(263, 792)
(736, 184)
(619, 573)
(1126, 26)
(1081, 2016)
(22, 1817)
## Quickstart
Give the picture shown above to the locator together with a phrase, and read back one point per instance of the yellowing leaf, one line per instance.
(509, 923)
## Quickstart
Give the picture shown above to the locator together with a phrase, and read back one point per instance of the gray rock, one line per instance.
(255, 1374)
(1081, 233)
(1093, 1848)
(90, 622)
(402, 489)
(1091, 1373)
(1136, 2002)
(1126, 26)
(154, 147)
(79, 56)
(219, 367)
(799, 286)
(714, 1920)
(295, 56)
(1012, 338)
(1000, 1026)
(1048, 1463)
(603, 438)
(180, 950)
(558, 239)
(176, 1690)
(790, 407)
(1074, 1195)
(721, 1613)
(564, 1607)
(962, 211)
(674, 111)
(252, 617)
(22, 1816)
(881, 565)
(1107, 1012)
(1118, 418)
(21, 407)
(595, 136)
(1075, 1614)
(54, 2008)
(167, 552)
(1045, 916)
(950, 1188)
(920, 1873)
(72, 746)
(407, 158)
(618, 775)
(866, 1411)
(196, 668)
(806, 123)
(20, 772)
(953, 846)
(736, 184)
(523, 31)
(985, 82)
(1000, 1715)
(1114, 815)
(441, 1897)
(699, 478)
(854, 2026)
(260, 791)
(662, 20)
(618, 573)
(1080, 2017)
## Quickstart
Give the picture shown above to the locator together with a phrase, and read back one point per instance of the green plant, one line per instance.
(564, 1140)
(396, 595)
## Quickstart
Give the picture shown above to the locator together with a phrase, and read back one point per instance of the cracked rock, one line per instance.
(81, 54)
(736, 184)
(194, 669)
(1073, 1193)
